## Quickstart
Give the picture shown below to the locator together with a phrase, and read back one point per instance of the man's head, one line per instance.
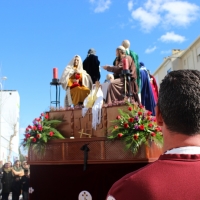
(126, 44)
(91, 51)
(179, 102)
(109, 77)
(120, 51)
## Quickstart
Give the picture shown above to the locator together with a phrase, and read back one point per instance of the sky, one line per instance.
(36, 36)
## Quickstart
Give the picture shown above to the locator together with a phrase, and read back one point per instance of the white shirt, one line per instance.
(184, 150)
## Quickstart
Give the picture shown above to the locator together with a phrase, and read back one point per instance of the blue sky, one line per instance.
(36, 36)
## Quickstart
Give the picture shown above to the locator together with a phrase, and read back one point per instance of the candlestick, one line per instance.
(125, 64)
(55, 73)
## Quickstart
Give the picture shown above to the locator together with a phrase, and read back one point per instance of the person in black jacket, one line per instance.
(16, 188)
(6, 180)
(25, 184)
(91, 65)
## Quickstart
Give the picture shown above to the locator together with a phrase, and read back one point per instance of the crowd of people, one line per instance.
(15, 180)
(78, 77)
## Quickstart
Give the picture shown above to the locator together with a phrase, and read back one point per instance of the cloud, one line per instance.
(147, 20)
(172, 37)
(165, 52)
(183, 16)
(130, 5)
(100, 5)
(150, 50)
(165, 13)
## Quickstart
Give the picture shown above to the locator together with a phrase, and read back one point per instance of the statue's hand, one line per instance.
(105, 67)
(75, 80)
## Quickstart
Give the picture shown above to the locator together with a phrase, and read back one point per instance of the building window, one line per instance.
(169, 70)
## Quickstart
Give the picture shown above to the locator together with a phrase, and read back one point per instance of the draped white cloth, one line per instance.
(96, 109)
(68, 72)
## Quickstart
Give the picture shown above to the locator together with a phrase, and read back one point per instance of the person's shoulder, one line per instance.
(131, 180)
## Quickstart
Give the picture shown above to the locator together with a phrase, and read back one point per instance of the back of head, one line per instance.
(91, 52)
(142, 64)
(109, 77)
(122, 49)
(126, 44)
(179, 101)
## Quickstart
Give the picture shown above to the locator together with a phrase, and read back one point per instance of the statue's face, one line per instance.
(76, 61)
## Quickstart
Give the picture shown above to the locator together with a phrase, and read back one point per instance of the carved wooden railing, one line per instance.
(101, 151)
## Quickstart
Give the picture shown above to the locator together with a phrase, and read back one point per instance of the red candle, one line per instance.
(55, 73)
(125, 64)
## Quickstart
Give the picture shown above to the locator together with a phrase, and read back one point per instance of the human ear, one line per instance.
(159, 118)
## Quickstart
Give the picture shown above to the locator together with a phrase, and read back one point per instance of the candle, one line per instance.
(55, 73)
(125, 64)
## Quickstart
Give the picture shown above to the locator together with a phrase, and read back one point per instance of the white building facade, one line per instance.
(180, 59)
(9, 125)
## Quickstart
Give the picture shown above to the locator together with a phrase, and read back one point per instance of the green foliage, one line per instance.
(136, 126)
(40, 133)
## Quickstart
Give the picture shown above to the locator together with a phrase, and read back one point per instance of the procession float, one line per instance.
(78, 152)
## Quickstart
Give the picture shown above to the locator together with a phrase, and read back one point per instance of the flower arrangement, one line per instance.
(42, 130)
(136, 126)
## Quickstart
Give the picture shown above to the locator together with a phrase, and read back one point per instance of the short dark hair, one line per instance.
(179, 101)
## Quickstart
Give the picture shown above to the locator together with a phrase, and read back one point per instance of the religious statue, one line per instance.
(118, 86)
(91, 65)
(126, 44)
(76, 82)
(147, 96)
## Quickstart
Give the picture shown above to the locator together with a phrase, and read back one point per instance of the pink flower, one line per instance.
(37, 119)
(115, 127)
(158, 129)
(27, 135)
(149, 113)
(118, 117)
(38, 136)
(130, 108)
(153, 134)
(141, 127)
(126, 125)
(51, 133)
(131, 120)
(34, 140)
(141, 106)
(139, 113)
(119, 135)
(150, 125)
(47, 116)
(136, 136)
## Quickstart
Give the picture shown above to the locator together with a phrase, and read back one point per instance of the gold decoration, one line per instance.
(82, 133)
